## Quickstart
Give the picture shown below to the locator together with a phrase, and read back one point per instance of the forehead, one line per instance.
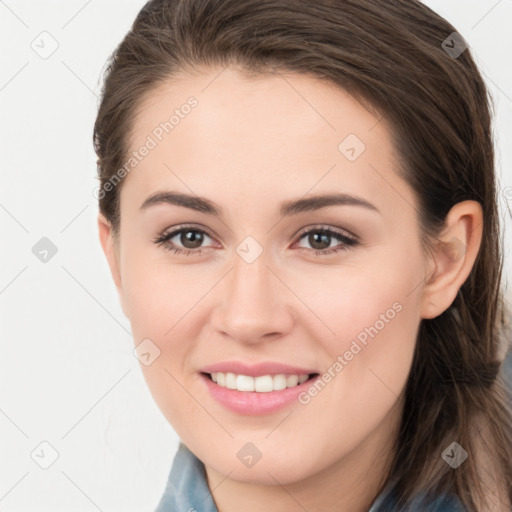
(223, 133)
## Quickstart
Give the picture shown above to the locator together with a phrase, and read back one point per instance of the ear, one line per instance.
(453, 257)
(108, 243)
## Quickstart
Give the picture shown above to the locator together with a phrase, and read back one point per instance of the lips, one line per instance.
(256, 389)
(255, 403)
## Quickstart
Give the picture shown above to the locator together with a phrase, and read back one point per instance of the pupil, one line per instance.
(314, 239)
(192, 237)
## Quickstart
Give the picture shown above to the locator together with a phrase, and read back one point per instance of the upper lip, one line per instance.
(256, 370)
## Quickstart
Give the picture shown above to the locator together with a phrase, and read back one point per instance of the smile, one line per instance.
(263, 394)
(261, 384)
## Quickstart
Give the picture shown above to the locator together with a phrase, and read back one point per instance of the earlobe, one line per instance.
(453, 257)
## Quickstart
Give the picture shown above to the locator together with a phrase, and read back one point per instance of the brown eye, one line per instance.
(191, 239)
(185, 240)
(320, 240)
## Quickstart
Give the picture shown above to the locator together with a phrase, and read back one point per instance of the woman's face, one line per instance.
(261, 284)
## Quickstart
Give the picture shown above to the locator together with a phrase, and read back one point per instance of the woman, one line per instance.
(298, 206)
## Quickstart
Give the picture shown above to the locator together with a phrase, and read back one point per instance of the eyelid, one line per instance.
(343, 233)
(172, 232)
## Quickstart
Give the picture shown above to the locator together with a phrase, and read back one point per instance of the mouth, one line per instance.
(260, 384)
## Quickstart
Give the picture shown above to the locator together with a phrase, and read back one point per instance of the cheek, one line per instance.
(363, 300)
(372, 372)
(160, 295)
(160, 300)
(369, 317)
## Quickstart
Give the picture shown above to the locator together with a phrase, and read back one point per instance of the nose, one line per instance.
(254, 305)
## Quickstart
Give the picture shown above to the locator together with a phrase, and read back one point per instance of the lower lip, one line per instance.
(253, 402)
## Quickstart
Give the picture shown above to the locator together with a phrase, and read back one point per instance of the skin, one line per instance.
(250, 144)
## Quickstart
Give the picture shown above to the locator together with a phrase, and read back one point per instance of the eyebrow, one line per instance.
(288, 208)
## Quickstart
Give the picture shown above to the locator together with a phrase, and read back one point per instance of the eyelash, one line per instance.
(347, 241)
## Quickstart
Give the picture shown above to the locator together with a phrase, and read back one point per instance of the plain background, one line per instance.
(68, 376)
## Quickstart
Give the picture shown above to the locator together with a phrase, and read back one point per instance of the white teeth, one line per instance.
(292, 380)
(244, 383)
(262, 384)
(279, 382)
(230, 380)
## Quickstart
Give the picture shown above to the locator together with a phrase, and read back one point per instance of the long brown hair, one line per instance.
(392, 56)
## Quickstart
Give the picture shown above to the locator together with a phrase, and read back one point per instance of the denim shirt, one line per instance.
(187, 491)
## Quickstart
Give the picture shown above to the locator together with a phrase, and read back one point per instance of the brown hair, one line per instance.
(389, 55)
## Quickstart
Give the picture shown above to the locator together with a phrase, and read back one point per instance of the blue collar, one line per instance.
(187, 489)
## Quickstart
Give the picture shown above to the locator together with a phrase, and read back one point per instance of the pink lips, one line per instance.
(256, 370)
(252, 402)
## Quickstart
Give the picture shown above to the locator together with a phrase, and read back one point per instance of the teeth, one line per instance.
(263, 384)
(303, 378)
(231, 380)
(292, 380)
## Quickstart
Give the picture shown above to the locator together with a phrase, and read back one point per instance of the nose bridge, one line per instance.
(252, 305)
